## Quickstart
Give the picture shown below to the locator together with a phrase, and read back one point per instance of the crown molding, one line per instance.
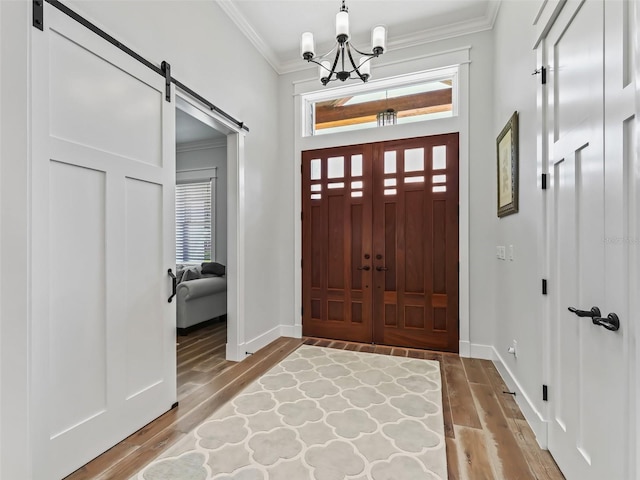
(476, 25)
(245, 27)
(201, 145)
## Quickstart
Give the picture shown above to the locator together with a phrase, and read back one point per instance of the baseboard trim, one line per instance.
(464, 349)
(291, 331)
(531, 414)
(484, 352)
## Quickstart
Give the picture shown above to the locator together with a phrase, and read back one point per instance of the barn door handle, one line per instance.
(174, 284)
(612, 322)
(593, 313)
(366, 268)
(382, 269)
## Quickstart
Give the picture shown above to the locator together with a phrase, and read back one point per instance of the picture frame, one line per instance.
(507, 167)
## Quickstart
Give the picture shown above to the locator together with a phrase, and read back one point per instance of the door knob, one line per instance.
(612, 322)
(593, 313)
(382, 269)
(365, 268)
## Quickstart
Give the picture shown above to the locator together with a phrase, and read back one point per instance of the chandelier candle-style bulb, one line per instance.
(365, 67)
(342, 26)
(379, 39)
(341, 63)
(307, 47)
(323, 71)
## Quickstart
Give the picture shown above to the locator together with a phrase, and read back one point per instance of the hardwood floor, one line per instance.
(486, 435)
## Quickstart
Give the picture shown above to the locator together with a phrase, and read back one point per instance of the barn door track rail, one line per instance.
(164, 70)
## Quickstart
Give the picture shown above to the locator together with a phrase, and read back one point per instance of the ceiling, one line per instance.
(192, 130)
(275, 26)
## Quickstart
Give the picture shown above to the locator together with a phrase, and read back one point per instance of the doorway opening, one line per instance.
(201, 252)
(380, 243)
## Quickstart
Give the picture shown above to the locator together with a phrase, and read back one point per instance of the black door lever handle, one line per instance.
(382, 269)
(366, 268)
(612, 322)
(593, 313)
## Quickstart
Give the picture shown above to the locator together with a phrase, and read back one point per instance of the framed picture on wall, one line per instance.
(507, 150)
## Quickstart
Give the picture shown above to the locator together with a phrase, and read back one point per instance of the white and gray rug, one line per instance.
(321, 414)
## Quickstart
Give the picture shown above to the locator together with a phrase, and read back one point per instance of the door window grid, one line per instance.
(414, 163)
(335, 170)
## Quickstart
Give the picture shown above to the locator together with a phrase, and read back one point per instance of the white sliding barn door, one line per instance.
(103, 169)
(589, 109)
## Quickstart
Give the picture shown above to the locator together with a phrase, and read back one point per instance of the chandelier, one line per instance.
(344, 66)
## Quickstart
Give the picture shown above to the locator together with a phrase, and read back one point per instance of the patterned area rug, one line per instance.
(321, 414)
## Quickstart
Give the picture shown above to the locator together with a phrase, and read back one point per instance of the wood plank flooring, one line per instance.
(486, 434)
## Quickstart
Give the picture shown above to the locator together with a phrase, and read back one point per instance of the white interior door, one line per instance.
(589, 435)
(103, 170)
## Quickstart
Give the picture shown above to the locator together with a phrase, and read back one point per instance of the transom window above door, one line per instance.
(414, 99)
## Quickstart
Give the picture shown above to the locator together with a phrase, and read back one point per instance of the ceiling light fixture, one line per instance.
(344, 65)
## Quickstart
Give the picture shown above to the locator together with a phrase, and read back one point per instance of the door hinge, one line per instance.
(545, 393)
(38, 14)
(544, 286)
(544, 181)
(166, 69)
(542, 71)
(301, 215)
(302, 311)
(300, 263)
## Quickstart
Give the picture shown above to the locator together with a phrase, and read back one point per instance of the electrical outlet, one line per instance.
(503, 252)
(511, 253)
(498, 252)
(515, 348)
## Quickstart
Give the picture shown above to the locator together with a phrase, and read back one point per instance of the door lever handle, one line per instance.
(593, 313)
(382, 269)
(174, 284)
(612, 322)
(365, 268)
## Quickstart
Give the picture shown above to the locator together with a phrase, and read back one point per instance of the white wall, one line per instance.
(14, 403)
(518, 294)
(196, 158)
(193, 37)
(481, 163)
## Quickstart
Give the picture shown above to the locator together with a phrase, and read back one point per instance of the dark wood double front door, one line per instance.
(380, 243)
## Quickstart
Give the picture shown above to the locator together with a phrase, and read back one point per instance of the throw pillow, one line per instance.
(213, 268)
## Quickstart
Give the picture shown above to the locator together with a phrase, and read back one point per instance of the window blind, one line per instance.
(193, 222)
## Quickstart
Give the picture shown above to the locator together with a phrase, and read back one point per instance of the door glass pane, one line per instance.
(336, 185)
(414, 160)
(356, 165)
(389, 182)
(316, 188)
(315, 169)
(440, 188)
(414, 179)
(356, 194)
(390, 191)
(356, 184)
(439, 179)
(335, 167)
(440, 157)
(390, 162)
